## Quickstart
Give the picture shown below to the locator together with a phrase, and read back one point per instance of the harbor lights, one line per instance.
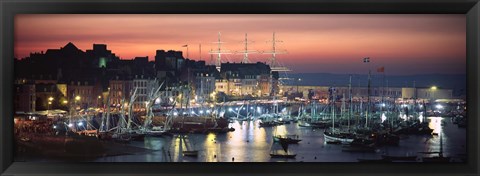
(201, 112)
(208, 111)
(433, 89)
(439, 106)
(230, 109)
(383, 105)
(50, 99)
(80, 124)
(175, 113)
(70, 125)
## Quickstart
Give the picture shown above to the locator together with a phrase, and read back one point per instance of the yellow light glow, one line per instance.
(434, 88)
(77, 98)
(50, 99)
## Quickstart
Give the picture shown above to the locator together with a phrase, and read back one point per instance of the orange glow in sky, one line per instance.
(403, 44)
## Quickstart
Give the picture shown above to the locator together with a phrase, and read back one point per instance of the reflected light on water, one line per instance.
(211, 148)
(436, 124)
(177, 148)
(280, 130)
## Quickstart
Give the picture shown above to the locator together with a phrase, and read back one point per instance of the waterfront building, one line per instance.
(241, 79)
(82, 94)
(168, 65)
(119, 91)
(144, 85)
(24, 99)
(376, 93)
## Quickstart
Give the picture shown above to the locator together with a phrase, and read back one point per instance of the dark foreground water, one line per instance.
(251, 143)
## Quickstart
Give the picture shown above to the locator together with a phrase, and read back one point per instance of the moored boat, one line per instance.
(344, 138)
(399, 158)
(291, 139)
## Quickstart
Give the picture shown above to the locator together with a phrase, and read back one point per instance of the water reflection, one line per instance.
(251, 143)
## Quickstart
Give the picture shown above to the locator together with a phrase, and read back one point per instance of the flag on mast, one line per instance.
(381, 69)
(185, 46)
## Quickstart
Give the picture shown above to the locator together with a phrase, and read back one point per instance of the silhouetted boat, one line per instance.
(191, 153)
(282, 155)
(437, 159)
(334, 142)
(284, 146)
(292, 139)
(344, 138)
(399, 158)
(374, 160)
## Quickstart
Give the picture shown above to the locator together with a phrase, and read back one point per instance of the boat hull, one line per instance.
(283, 156)
(331, 138)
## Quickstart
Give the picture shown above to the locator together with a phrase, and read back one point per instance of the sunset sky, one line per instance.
(403, 44)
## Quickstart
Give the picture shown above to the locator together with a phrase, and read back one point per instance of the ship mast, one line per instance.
(245, 52)
(273, 60)
(219, 52)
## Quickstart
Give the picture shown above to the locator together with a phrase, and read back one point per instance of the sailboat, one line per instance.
(189, 152)
(284, 154)
(437, 159)
(333, 135)
(288, 139)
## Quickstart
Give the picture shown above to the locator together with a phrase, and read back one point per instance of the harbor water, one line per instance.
(252, 143)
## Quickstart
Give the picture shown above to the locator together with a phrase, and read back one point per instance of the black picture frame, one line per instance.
(8, 9)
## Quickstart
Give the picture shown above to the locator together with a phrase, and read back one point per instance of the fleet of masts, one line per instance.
(348, 122)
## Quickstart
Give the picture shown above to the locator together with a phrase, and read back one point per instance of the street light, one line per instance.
(50, 99)
(299, 79)
(77, 98)
(433, 89)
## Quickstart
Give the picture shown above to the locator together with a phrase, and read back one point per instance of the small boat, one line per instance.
(189, 150)
(282, 155)
(400, 158)
(437, 159)
(268, 124)
(344, 138)
(334, 142)
(287, 139)
(190, 153)
(383, 160)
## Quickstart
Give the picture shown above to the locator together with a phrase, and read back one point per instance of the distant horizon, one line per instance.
(333, 43)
